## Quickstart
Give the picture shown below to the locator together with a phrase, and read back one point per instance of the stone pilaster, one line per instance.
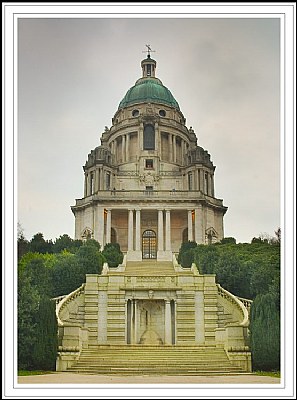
(190, 226)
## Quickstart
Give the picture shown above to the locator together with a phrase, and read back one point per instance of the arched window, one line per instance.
(149, 137)
(149, 244)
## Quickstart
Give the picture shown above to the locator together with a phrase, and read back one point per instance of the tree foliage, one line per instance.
(42, 275)
(243, 269)
(28, 301)
(251, 271)
(39, 245)
(65, 242)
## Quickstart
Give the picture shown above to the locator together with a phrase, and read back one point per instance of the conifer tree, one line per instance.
(265, 332)
(45, 350)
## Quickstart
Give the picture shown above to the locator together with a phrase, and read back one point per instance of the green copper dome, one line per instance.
(148, 90)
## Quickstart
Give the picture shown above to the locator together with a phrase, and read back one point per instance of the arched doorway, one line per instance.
(149, 244)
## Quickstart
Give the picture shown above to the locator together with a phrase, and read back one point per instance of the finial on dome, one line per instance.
(149, 50)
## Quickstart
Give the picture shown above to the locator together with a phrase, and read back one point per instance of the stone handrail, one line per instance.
(246, 302)
(59, 298)
(66, 299)
(238, 303)
(119, 195)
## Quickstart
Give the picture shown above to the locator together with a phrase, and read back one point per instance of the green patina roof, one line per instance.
(148, 90)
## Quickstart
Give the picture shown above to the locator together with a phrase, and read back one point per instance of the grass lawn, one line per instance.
(274, 374)
(27, 373)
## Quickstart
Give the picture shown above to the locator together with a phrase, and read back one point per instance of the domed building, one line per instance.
(149, 187)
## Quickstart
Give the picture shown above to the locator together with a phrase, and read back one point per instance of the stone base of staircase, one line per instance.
(154, 360)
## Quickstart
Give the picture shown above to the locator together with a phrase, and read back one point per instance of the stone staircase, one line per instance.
(149, 267)
(154, 360)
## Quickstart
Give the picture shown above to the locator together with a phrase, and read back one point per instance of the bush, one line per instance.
(113, 255)
(186, 247)
(187, 258)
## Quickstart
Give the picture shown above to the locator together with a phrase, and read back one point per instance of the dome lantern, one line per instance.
(148, 65)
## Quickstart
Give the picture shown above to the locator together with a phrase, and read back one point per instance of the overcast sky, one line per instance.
(224, 73)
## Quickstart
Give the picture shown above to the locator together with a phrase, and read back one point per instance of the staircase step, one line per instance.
(154, 360)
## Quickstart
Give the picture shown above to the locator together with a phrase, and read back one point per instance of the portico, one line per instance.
(143, 232)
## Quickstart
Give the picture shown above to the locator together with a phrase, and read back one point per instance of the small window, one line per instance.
(135, 113)
(162, 113)
(149, 164)
(149, 188)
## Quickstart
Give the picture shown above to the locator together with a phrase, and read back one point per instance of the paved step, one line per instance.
(154, 360)
(151, 268)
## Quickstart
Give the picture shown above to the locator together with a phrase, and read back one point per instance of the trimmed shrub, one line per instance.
(113, 255)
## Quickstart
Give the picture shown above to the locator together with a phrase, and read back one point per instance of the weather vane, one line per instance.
(149, 50)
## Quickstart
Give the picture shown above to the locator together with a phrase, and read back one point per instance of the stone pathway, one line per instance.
(70, 378)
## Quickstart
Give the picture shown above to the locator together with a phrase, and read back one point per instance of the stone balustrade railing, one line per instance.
(66, 299)
(246, 302)
(237, 303)
(176, 195)
(58, 298)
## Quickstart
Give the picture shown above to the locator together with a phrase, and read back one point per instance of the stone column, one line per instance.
(197, 183)
(96, 180)
(201, 180)
(127, 147)
(170, 147)
(160, 231)
(168, 333)
(174, 148)
(86, 185)
(209, 185)
(135, 321)
(157, 135)
(182, 153)
(140, 138)
(101, 179)
(115, 149)
(168, 231)
(130, 230)
(212, 185)
(190, 226)
(199, 318)
(123, 148)
(108, 226)
(102, 317)
(199, 237)
(99, 225)
(137, 231)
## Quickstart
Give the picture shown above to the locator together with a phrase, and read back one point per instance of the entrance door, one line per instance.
(149, 244)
